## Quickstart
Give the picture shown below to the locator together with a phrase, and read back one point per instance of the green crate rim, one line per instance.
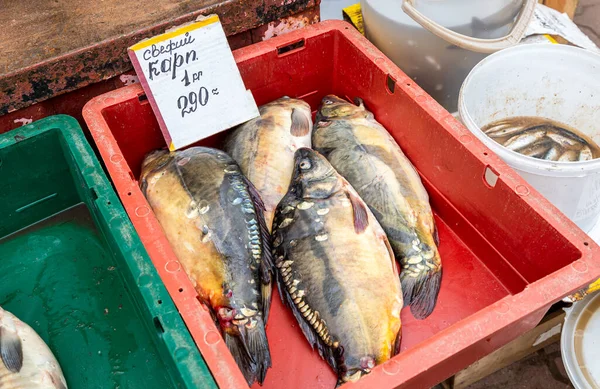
(182, 349)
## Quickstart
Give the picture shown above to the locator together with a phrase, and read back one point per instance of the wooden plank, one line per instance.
(547, 332)
(566, 6)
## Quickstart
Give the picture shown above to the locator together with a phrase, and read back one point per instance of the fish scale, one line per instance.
(264, 147)
(365, 154)
(201, 192)
(337, 275)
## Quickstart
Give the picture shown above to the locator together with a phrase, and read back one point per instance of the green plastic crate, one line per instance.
(74, 269)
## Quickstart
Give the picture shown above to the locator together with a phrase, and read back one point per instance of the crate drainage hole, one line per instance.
(180, 290)
(158, 325)
(586, 243)
(490, 177)
(142, 98)
(291, 47)
(390, 84)
(159, 302)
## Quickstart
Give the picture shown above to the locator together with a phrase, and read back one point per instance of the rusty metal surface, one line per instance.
(287, 24)
(52, 71)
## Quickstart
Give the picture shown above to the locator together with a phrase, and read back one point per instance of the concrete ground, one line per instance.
(542, 370)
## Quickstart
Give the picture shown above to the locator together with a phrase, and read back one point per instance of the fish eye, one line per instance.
(327, 102)
(305, 164)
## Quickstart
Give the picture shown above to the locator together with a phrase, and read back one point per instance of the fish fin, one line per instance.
(300, 123)
(361, 217)
(392, 256)
(144, 186)
(238, 349)
(397, 342)
(436, 235)
(267, 267)
(421, 292)
(266, 291)
(11, 349)
(326, 352)
(258, 347)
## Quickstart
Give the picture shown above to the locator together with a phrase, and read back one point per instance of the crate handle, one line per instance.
(291, 47)
(490, 177)
(390, 84)
(158, 325)
(143, 98)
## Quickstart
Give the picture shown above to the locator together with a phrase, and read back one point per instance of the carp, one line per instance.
(366, 155)
(264, 148)
(213, 219)
(336, 270)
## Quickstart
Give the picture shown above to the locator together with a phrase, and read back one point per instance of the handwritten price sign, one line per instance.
(192, 82)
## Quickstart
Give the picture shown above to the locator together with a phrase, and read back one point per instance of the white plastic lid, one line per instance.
(580, 343)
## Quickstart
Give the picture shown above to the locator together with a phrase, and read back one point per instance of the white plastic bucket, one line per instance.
(579, 343)
(437, 43)
(557, 82)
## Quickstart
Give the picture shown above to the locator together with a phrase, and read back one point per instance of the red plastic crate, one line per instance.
(508, 254)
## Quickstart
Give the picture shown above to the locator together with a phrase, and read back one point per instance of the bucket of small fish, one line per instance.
(537, 107)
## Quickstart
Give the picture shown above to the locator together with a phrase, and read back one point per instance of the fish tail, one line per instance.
(421, 292)
(241, 356)
(251, 351)
(259, 347)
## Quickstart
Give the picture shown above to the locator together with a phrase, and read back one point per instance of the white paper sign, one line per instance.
(192, 82)
(549, 21)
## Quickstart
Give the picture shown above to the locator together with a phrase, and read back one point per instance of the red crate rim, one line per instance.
(454, 339)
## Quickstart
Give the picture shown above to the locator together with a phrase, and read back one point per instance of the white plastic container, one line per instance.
(437, 42)
(580, 343)
(557, 82)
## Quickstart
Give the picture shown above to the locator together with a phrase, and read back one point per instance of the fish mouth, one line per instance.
(323, 123)
(352, 375)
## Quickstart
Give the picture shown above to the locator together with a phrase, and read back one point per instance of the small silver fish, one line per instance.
(585, 154)
(526, 139)
(537, 150)
(562, 140)
(26, 361)
(569, 156)
(505, 130)
(553, 153)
